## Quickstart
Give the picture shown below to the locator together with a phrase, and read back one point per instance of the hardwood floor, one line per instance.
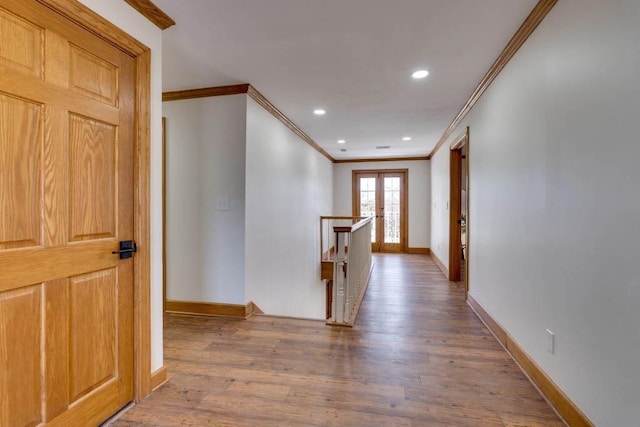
(418, 356)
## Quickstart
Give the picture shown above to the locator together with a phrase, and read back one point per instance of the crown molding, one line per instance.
(267, 105)
(534, 19)
(254, 94)
(382, 159)
(205, 92)
(152, 12)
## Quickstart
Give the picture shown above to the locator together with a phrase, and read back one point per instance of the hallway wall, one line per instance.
(553, 223)
(288, 187)
(419, 194)
(265, 247)
(440, 186)
(205, 163)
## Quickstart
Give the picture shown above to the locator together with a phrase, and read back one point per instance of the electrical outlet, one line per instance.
(550, 341)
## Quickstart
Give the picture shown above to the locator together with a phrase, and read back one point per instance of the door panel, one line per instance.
(93, 174)
(20, 173)
(20, 352)
(92, 327)
(383, 194)
(93, 77)
(21, 47)
(66, 192)
(391, 194)
(391, 188)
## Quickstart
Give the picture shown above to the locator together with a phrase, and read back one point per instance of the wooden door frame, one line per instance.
(84, 17)
(404, 213)
(455, 208)
(164, 215)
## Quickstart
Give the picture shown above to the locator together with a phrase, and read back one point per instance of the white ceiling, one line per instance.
(351, 57)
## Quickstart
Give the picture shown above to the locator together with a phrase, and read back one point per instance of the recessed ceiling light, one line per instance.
(341, 141)
(406, 138)
(319, 112)
(420, 74)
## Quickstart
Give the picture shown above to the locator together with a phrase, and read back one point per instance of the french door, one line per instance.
(383, 195)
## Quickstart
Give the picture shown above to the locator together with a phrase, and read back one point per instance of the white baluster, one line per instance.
(339, 278)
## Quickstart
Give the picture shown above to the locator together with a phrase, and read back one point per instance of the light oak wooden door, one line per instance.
(66, 200)
(382, 194)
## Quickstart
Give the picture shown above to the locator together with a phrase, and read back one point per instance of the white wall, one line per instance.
(419, 194)
(440, 187)
(554, 207)
(133, 23)
(206, 162)
(288, 188)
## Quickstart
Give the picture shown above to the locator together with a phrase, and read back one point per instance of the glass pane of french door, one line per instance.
(368, 201)
(381, 194)
(392, 209)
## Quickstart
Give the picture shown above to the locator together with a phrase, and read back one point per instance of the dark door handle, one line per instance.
(127, 248)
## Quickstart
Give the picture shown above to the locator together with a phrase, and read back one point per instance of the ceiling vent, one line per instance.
(383, 147)
(344, 150)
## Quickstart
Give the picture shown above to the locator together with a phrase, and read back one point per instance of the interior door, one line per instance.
(459, 212)
(382, 194)
(66, 200)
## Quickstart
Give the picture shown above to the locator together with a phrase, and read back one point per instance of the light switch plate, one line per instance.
(550, 341)
(222, 203)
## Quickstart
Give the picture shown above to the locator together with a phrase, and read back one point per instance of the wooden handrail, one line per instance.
(361, 223)
(343, 217)
(354, 227)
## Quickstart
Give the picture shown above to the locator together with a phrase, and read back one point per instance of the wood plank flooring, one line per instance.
(418, 356)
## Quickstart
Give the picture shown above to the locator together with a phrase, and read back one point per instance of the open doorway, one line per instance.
(459, 212)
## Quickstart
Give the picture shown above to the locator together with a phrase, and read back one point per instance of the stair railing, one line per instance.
(349, 255)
